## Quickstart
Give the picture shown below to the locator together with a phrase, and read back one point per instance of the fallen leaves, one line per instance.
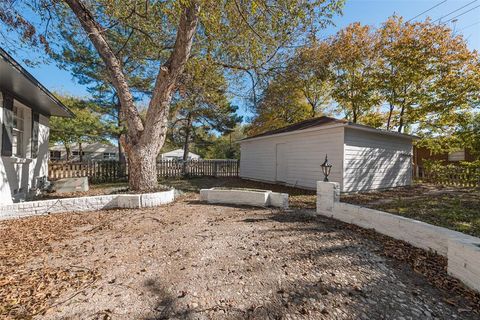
(25, 292)
(431, 265)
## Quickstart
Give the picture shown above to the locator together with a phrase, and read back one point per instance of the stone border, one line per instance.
(256, 198)
(461, 250)
(82, 204)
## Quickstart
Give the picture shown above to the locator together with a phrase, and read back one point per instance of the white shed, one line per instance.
(363, 158)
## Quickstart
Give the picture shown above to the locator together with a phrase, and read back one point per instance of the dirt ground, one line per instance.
(190, 260)
(455, 208)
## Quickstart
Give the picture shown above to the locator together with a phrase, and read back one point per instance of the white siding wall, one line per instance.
(18, 174)
(305, 153)
(375, 161)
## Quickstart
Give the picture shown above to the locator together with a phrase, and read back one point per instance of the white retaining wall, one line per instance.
(82, 204)
(260, 198)
(462, 251)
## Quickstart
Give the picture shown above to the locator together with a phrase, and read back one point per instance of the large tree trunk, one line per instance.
(142, 169)
(143, 141)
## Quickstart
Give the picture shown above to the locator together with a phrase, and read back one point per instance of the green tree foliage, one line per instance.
(86, 127)
(354, 56)
(226, 146)
(310, 75)
(249, 36)
(302, 90)
(202, 101)
(426, 74)
(416, 77)
(282, 104)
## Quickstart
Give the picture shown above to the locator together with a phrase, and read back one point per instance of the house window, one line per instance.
(55, 155)
(109, 156)
(35, 134)
(457, 156)
(17, 132)
(77, 153)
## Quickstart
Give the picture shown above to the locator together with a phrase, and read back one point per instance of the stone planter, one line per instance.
(83, 204)
(249, 197)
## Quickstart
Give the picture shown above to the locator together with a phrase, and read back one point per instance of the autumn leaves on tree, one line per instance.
(402, 76)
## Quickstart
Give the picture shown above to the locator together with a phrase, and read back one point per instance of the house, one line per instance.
(178, 155)
(363, 158)
(90, 152)
(26, 106)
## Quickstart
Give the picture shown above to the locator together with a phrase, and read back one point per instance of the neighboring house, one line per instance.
(90, 152)
(421, 154)
(178, 155)
(26, 107)
(363, 158)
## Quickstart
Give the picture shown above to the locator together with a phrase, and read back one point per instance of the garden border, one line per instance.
(461, 250)
(83, 204)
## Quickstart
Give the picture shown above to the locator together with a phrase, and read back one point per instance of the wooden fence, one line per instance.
(97, 172)
(112, 171)
(450, 175)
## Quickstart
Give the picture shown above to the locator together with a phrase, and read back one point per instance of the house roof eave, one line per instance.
(17, 81)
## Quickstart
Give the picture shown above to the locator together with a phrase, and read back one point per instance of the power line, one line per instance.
(461, 14)
(470, 25)
(418, 15)
(439, 19)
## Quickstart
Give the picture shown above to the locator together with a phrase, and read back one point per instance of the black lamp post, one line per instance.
(326, 168)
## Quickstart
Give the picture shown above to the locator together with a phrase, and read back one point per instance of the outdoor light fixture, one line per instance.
(326, 168)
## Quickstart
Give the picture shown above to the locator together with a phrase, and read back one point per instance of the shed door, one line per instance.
(281, 162)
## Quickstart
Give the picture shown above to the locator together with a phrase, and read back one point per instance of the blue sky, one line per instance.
(372, 12)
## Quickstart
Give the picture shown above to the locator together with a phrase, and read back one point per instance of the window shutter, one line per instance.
(35, 133)
(7, 125)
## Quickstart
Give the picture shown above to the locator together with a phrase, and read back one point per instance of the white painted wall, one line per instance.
(375, 161)
(305, 152)
(18, 174)
(461, 250)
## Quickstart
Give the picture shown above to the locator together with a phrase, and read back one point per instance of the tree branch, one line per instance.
(94, 32)
(170, 71)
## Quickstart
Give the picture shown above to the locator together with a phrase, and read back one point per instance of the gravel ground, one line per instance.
(190, 260)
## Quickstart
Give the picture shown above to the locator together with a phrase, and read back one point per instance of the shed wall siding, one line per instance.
(305, 153)
(375, 161)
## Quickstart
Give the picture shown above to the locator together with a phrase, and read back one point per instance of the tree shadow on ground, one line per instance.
(164, 308)
(331, 272)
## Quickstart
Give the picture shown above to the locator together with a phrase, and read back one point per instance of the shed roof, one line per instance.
(324, 121)
(28, 90)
